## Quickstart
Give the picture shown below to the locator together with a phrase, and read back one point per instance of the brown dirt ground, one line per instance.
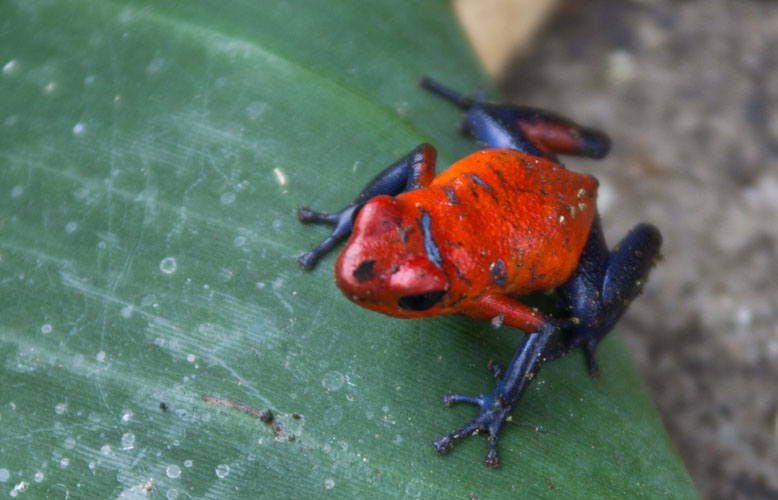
(688, 91)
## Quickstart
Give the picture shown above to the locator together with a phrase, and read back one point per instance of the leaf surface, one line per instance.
(153, 154)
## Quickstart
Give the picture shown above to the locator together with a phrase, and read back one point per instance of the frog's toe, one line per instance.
(492, 459)
(450, 399)
(588, 343)
(444, 444)
(305, 214)
(590, 348)
(496, 368)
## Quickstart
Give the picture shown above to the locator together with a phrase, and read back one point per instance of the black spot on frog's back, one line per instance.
(452, 197)
(498, 273)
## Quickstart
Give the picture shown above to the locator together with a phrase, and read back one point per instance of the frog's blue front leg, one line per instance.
(511, 384)
(412, 171)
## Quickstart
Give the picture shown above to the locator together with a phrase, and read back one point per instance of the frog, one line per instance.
(505, 221)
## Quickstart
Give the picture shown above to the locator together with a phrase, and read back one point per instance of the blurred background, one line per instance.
(687, 91)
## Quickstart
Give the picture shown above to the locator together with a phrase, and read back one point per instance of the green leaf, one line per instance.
(153, 154)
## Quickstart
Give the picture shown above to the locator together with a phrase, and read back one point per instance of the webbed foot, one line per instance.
(495, 408)
(341, 222)
(490, 419)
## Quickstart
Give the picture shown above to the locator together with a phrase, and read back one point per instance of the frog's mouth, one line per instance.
(420, 301)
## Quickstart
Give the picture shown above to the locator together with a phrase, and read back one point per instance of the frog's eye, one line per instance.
(420, 301)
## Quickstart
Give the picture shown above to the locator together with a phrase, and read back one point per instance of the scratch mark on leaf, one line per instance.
(265, 416)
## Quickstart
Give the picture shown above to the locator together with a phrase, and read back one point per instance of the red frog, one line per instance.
(503, 222)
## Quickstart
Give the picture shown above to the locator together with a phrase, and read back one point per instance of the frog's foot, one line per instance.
(491, 418)
(341, 222)
(496, 408)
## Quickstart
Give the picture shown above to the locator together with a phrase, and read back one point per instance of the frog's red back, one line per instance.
(508, 222)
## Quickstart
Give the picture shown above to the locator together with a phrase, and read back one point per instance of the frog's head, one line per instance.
(391, 264)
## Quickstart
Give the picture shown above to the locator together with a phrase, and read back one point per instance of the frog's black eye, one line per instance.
(420, 301)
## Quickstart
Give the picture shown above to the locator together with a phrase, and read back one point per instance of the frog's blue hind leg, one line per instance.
(412, 171)
(530, 130)
(604, 284)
